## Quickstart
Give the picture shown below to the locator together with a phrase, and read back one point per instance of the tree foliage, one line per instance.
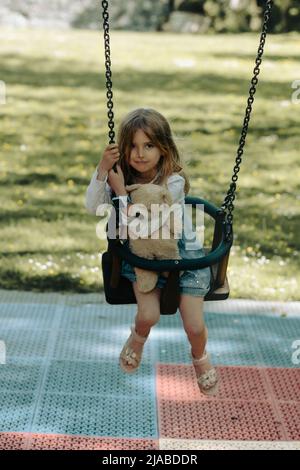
(245, 15)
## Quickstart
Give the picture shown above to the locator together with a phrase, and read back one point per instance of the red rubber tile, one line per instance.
(213, 420)
(13, 440)
(64, 442)
(247, 406)
(236, 383)
(285, 383)
(173, 381)
(290, 413)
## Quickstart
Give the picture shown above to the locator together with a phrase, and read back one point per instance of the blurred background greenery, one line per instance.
(54, 128)
(194, 16)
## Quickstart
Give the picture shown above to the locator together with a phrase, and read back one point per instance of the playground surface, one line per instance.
(61, 386)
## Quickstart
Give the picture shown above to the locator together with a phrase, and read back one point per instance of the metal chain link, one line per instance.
(108, 74)
(228, 205)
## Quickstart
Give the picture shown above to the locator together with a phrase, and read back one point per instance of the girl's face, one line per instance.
(144, 156)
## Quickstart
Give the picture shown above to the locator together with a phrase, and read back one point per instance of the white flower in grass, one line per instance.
(185, 63)
(285, 103)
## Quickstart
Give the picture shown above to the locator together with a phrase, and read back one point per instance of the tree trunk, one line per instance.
(171, 6)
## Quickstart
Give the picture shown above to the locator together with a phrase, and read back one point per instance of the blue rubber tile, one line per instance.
(171, 346)
(96, 416)
(99, 379)
(25, 344)
(276, 353)
(228, 342)
(27, 316)
(16, 411)
(233, 350)
(171, 321)
(170, 340)
(31, 297)
(99, 346)
(254, 325)
(20, 377)
(262, 340)
(95, 317)
(228, 324)
(275, 328)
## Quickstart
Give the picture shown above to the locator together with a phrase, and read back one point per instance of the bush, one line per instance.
(246, 15)
(192, 6)
(233, 16)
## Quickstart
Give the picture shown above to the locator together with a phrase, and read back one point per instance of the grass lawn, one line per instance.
(54, 128)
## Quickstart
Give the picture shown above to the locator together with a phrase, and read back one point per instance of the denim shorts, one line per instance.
(195, 282)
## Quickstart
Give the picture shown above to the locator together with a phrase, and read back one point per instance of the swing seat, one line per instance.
(215, 292)
(122, 292)
(118, 289)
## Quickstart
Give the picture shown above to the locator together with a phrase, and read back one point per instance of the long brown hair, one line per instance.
(158, 130)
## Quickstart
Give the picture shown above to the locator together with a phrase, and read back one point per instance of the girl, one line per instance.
(146, 153)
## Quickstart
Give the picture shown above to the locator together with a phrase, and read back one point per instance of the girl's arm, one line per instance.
(175, 185)
(98, 192)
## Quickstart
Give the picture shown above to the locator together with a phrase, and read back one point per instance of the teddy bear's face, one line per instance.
(148, 205)
(148, 194)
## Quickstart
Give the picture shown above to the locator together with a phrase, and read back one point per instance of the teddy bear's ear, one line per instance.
(132, 187)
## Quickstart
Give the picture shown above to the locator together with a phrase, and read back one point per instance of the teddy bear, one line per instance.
(146, 235)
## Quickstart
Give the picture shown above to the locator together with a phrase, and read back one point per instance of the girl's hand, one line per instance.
(110, 156)
(117, 182)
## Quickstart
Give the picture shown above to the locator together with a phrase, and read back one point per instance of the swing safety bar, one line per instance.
(223, 239)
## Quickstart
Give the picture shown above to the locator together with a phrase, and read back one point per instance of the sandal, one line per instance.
(207, 376)
(129, 359)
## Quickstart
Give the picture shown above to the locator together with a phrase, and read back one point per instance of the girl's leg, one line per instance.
(191, 311)
(147, 316)
(148, 313)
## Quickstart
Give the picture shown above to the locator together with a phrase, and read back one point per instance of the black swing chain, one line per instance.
(108, 73)
(228, 205)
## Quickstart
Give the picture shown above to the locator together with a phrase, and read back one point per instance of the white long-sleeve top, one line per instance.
(99, 192)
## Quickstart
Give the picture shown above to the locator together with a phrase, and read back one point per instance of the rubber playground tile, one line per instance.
(97, 346)
(247, 406)
(26, 344)
(285, 383)
(23, 378)
(219, 420)
(99, 379)
(27, 316)
(92, 316)
(95, 416)
(28, 441)
(65, 442)
(16, 411)
(276, 353)
(290, 413)
(13, 441)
